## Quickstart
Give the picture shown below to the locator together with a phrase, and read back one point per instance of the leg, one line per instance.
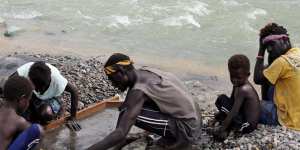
(224, 105)
(28, 139)
(45, 110)
(154, 121)
(268, 113)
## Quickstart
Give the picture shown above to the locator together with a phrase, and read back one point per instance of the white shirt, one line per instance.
(57, 85)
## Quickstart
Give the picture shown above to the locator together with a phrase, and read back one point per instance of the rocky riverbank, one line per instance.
(264, 138)
(87, 75)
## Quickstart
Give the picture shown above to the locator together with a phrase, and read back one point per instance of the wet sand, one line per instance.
(181, 66)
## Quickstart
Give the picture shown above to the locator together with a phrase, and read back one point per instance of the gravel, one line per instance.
(87, 75)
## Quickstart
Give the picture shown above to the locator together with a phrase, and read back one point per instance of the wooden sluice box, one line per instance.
(86, 112)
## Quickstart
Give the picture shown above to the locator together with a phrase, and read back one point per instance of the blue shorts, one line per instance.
(26, 140)
(268, 111)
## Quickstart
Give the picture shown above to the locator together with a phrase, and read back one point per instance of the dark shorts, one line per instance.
(268, 113)
(239, 123)
(26, 140)
(153, 120)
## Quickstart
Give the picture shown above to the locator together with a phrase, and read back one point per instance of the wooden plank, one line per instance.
(113, 104)
(86, 112)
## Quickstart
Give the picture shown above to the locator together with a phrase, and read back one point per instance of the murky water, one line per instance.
(189, 35)
(93, 129)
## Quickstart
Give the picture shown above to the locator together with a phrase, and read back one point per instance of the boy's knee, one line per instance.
(41, 130)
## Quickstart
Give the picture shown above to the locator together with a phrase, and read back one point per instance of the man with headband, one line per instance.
(156, 101)
(283, 72)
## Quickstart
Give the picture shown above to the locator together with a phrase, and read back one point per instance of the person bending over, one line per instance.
(49, 84)
(15, 132)
(156, 102)
(241, 110)
(282, 73)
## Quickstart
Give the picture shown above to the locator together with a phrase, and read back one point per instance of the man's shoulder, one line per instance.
(135, 93)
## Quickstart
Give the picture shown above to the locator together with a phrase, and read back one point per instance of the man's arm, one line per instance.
(239, 96)
(259, 65)
(133, 104)
(74, 99)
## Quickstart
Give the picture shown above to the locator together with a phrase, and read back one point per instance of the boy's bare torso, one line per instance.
(250, 108)
(10, 125)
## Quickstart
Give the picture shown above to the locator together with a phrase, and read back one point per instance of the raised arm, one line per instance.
(259, 65)
(132, 106)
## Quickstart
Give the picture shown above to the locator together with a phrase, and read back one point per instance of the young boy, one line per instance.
(15, 132)
(241, 110)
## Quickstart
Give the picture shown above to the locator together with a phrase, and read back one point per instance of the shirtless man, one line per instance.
(15, 132)
(156, 102)
(241, 110)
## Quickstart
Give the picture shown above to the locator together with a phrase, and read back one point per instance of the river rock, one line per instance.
(12, 30)
(2, 22)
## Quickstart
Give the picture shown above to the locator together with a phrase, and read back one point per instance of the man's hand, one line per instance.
(72, 124)
(219, 134)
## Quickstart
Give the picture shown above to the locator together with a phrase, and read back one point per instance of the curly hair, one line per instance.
(239, 61)
(272, 29)
(16, 87)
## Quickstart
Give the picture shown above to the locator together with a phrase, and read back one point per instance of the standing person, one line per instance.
(239, 112)
(49, 83)
(282, 73)
(15, 132)
(156, 102)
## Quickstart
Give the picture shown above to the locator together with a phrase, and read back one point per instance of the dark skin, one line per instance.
(130, 109)
(246, 101)
(47, 111)
(12, 123)
(275, 49)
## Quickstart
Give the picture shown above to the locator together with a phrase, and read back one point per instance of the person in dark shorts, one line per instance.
(15, 132)
(240, 111)
(156, 101)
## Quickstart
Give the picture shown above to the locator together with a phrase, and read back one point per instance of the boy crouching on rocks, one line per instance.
(241, 110)
(15, 132)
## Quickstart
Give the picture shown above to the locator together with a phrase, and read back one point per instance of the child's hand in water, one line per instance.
(72, 124)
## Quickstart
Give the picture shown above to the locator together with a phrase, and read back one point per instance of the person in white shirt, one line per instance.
(49, 84)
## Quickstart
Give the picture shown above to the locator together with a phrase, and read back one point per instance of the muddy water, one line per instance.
(93, 129)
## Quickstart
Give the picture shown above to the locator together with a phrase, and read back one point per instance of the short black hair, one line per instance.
(16, 87)
(272, 29)
(40, 73)
(117, 57)
(239, 61)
